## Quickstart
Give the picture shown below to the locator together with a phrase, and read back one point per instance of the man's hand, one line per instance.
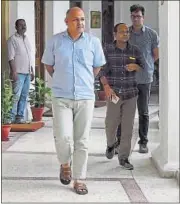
(109, 92)
(132, 67)
(49, 69)
(32, 76)
(13, 76)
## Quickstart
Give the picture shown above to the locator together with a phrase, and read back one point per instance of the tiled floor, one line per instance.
(30, 170)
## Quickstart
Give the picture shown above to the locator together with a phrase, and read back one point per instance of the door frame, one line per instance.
(39, 37)
(102, 6)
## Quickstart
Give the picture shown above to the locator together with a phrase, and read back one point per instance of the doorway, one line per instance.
(39, 38)
(107, 21)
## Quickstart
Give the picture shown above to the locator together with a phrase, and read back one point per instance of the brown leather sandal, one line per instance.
(65, 175)
(80, 188)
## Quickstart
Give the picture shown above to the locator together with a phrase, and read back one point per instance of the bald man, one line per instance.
(73, 58)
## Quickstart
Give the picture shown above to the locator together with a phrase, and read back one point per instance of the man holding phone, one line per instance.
(119, 81)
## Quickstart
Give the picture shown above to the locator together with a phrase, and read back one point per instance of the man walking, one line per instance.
(21, 70)
(73, 58)
(119, 82)
(147, 40)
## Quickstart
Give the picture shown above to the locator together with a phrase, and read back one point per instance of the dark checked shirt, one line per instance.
(120, 80)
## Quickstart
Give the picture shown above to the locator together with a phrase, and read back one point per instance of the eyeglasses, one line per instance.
(138, 17)
(123, 32)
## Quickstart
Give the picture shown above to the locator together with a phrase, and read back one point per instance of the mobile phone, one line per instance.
(115, 99)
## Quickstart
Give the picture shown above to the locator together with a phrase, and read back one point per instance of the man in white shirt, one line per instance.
(21, 70)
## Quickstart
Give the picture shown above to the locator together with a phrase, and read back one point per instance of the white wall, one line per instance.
(59, 13)
(89, 6)
(117, 11)
(13, 10)
(86, 9)
(173, 73)
(55, 12)
(95, 6)
(122, 12)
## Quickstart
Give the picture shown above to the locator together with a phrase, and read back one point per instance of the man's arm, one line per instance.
(12, 65)
(99, 58)
(48, 58)
(108, 90)
(49, 69)
(13, 73)
(140, 61)
(11, 55)
(96, 70)
(156, 54)
(155, 46)
(32, 73)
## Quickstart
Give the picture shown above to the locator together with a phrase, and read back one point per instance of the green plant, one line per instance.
(39, 94)
(6, 102)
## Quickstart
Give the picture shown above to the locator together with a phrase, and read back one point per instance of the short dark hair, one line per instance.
(17, 21)
(136, 8)
(116, 26)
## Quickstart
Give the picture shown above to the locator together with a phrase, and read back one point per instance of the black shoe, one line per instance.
(143, 148)
(116, 150)
(110, 152)
(116, 146)
(20, 121)
(125, 164)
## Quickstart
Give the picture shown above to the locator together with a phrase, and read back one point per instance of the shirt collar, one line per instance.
(17, 35)
(143, 28)
(65, 33)
(127, 47)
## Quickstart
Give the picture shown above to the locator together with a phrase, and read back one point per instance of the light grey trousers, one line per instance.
(121, 113)
(71, 127)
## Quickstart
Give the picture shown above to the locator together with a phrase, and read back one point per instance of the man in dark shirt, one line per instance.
(147, 40)
(119, 81)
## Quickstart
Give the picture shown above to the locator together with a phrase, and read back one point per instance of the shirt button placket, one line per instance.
(74, 75)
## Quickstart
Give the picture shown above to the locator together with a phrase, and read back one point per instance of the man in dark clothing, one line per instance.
(119, 81)
(147, 40)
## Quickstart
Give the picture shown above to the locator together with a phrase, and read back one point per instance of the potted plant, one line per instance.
(6, 106)
(38, 95)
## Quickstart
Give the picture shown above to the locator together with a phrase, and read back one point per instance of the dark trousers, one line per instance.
(142, 105)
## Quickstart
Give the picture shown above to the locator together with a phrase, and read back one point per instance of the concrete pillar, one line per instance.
(166, 156)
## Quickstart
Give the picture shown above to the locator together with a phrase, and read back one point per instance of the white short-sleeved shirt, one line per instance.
(19, 50)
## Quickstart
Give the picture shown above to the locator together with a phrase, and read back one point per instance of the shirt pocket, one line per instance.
(85, 57)
(130, 59)
(62, 55)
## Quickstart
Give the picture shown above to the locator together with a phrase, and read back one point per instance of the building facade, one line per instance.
(45, 18)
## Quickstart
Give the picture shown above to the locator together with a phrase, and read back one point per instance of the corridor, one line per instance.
(30, 171)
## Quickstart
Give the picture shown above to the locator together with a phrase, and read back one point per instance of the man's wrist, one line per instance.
(137, 67)
(13, 72)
